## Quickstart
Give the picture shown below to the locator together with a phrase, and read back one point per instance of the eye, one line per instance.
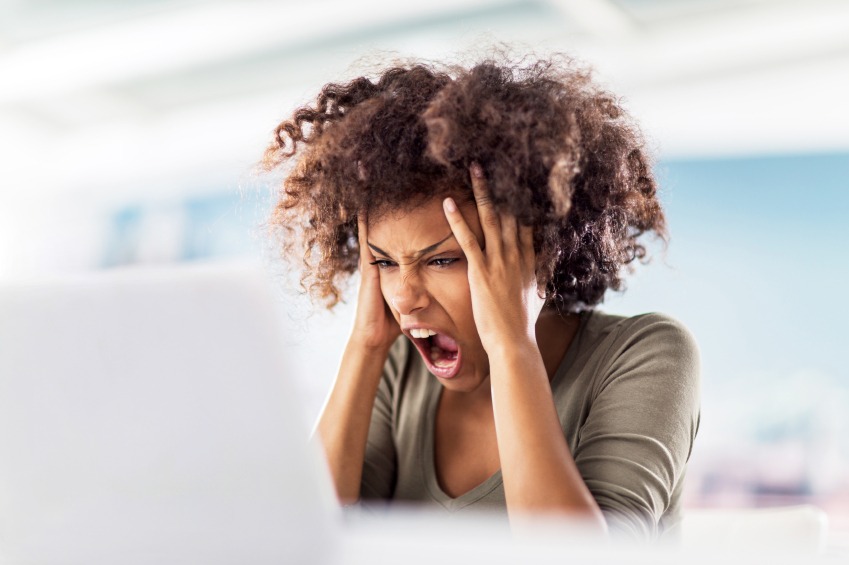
(443, 262)
(382, 264)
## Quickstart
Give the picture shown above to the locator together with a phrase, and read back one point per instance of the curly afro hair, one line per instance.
(557, 151)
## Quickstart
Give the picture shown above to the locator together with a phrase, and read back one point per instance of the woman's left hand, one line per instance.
(502, 278)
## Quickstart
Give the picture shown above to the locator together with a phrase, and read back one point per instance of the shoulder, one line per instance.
(404, 391)
(403, 370)
(398, 357)
(642, 418)
(644, 333)
(654, 347)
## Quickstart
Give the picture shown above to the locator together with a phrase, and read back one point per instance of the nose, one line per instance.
(409, 295)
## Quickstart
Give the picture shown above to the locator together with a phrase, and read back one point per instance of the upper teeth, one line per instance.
(421, 333)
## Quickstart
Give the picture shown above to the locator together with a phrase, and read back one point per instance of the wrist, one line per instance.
(368, 348)
(361, 367)
(512, 332)
(514, 349)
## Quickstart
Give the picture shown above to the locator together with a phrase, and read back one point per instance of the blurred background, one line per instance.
(129, 129)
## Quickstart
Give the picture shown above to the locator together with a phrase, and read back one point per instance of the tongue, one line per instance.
(445, 343)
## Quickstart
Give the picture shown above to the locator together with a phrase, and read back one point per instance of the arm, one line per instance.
(344, 423)
(539, 472)
(638, 435)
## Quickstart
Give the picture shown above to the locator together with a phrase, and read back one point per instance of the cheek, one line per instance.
(386, 288)
(451, 290)
(457, 301)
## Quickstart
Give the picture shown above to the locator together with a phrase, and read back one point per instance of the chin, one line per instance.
(466, 381)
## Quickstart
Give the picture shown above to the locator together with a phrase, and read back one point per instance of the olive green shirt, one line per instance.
(626, 393)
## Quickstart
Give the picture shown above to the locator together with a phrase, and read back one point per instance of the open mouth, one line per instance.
(440, 352)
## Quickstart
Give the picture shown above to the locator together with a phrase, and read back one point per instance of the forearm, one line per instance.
(344, 423)
(539, 471)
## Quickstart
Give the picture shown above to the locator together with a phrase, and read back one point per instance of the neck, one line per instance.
(554, 334)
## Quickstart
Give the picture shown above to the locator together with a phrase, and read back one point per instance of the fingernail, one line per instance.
(449, 205)
(477, 172)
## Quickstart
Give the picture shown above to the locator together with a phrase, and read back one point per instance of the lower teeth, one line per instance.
(438, 358)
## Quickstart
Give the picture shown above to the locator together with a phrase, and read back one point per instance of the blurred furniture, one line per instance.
(797, 529)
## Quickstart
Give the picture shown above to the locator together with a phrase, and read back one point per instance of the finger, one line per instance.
(464, 236)
(362, 234)
(509, 232)
(526, 244)
(490, 222)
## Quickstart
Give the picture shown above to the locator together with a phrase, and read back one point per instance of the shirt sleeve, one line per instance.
(380, 463)
(634, 445)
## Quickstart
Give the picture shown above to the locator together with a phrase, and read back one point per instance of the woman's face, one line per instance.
(424, 282)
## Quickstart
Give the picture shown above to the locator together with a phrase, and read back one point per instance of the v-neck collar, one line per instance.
(427, 446)
(429, 462)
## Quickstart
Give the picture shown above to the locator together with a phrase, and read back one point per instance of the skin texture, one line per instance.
(478, 285)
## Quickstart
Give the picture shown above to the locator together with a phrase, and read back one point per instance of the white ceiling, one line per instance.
(114, 100)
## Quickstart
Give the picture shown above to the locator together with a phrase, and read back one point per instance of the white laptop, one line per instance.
(146, 417)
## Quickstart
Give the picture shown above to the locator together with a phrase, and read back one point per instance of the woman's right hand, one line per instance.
(374, 326)
(344, 423)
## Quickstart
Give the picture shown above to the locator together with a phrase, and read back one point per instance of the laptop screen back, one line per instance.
(146, 415)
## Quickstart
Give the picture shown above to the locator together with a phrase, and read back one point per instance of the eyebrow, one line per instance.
(417, 254)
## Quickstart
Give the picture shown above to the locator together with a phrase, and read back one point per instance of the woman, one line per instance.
(488, 210)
